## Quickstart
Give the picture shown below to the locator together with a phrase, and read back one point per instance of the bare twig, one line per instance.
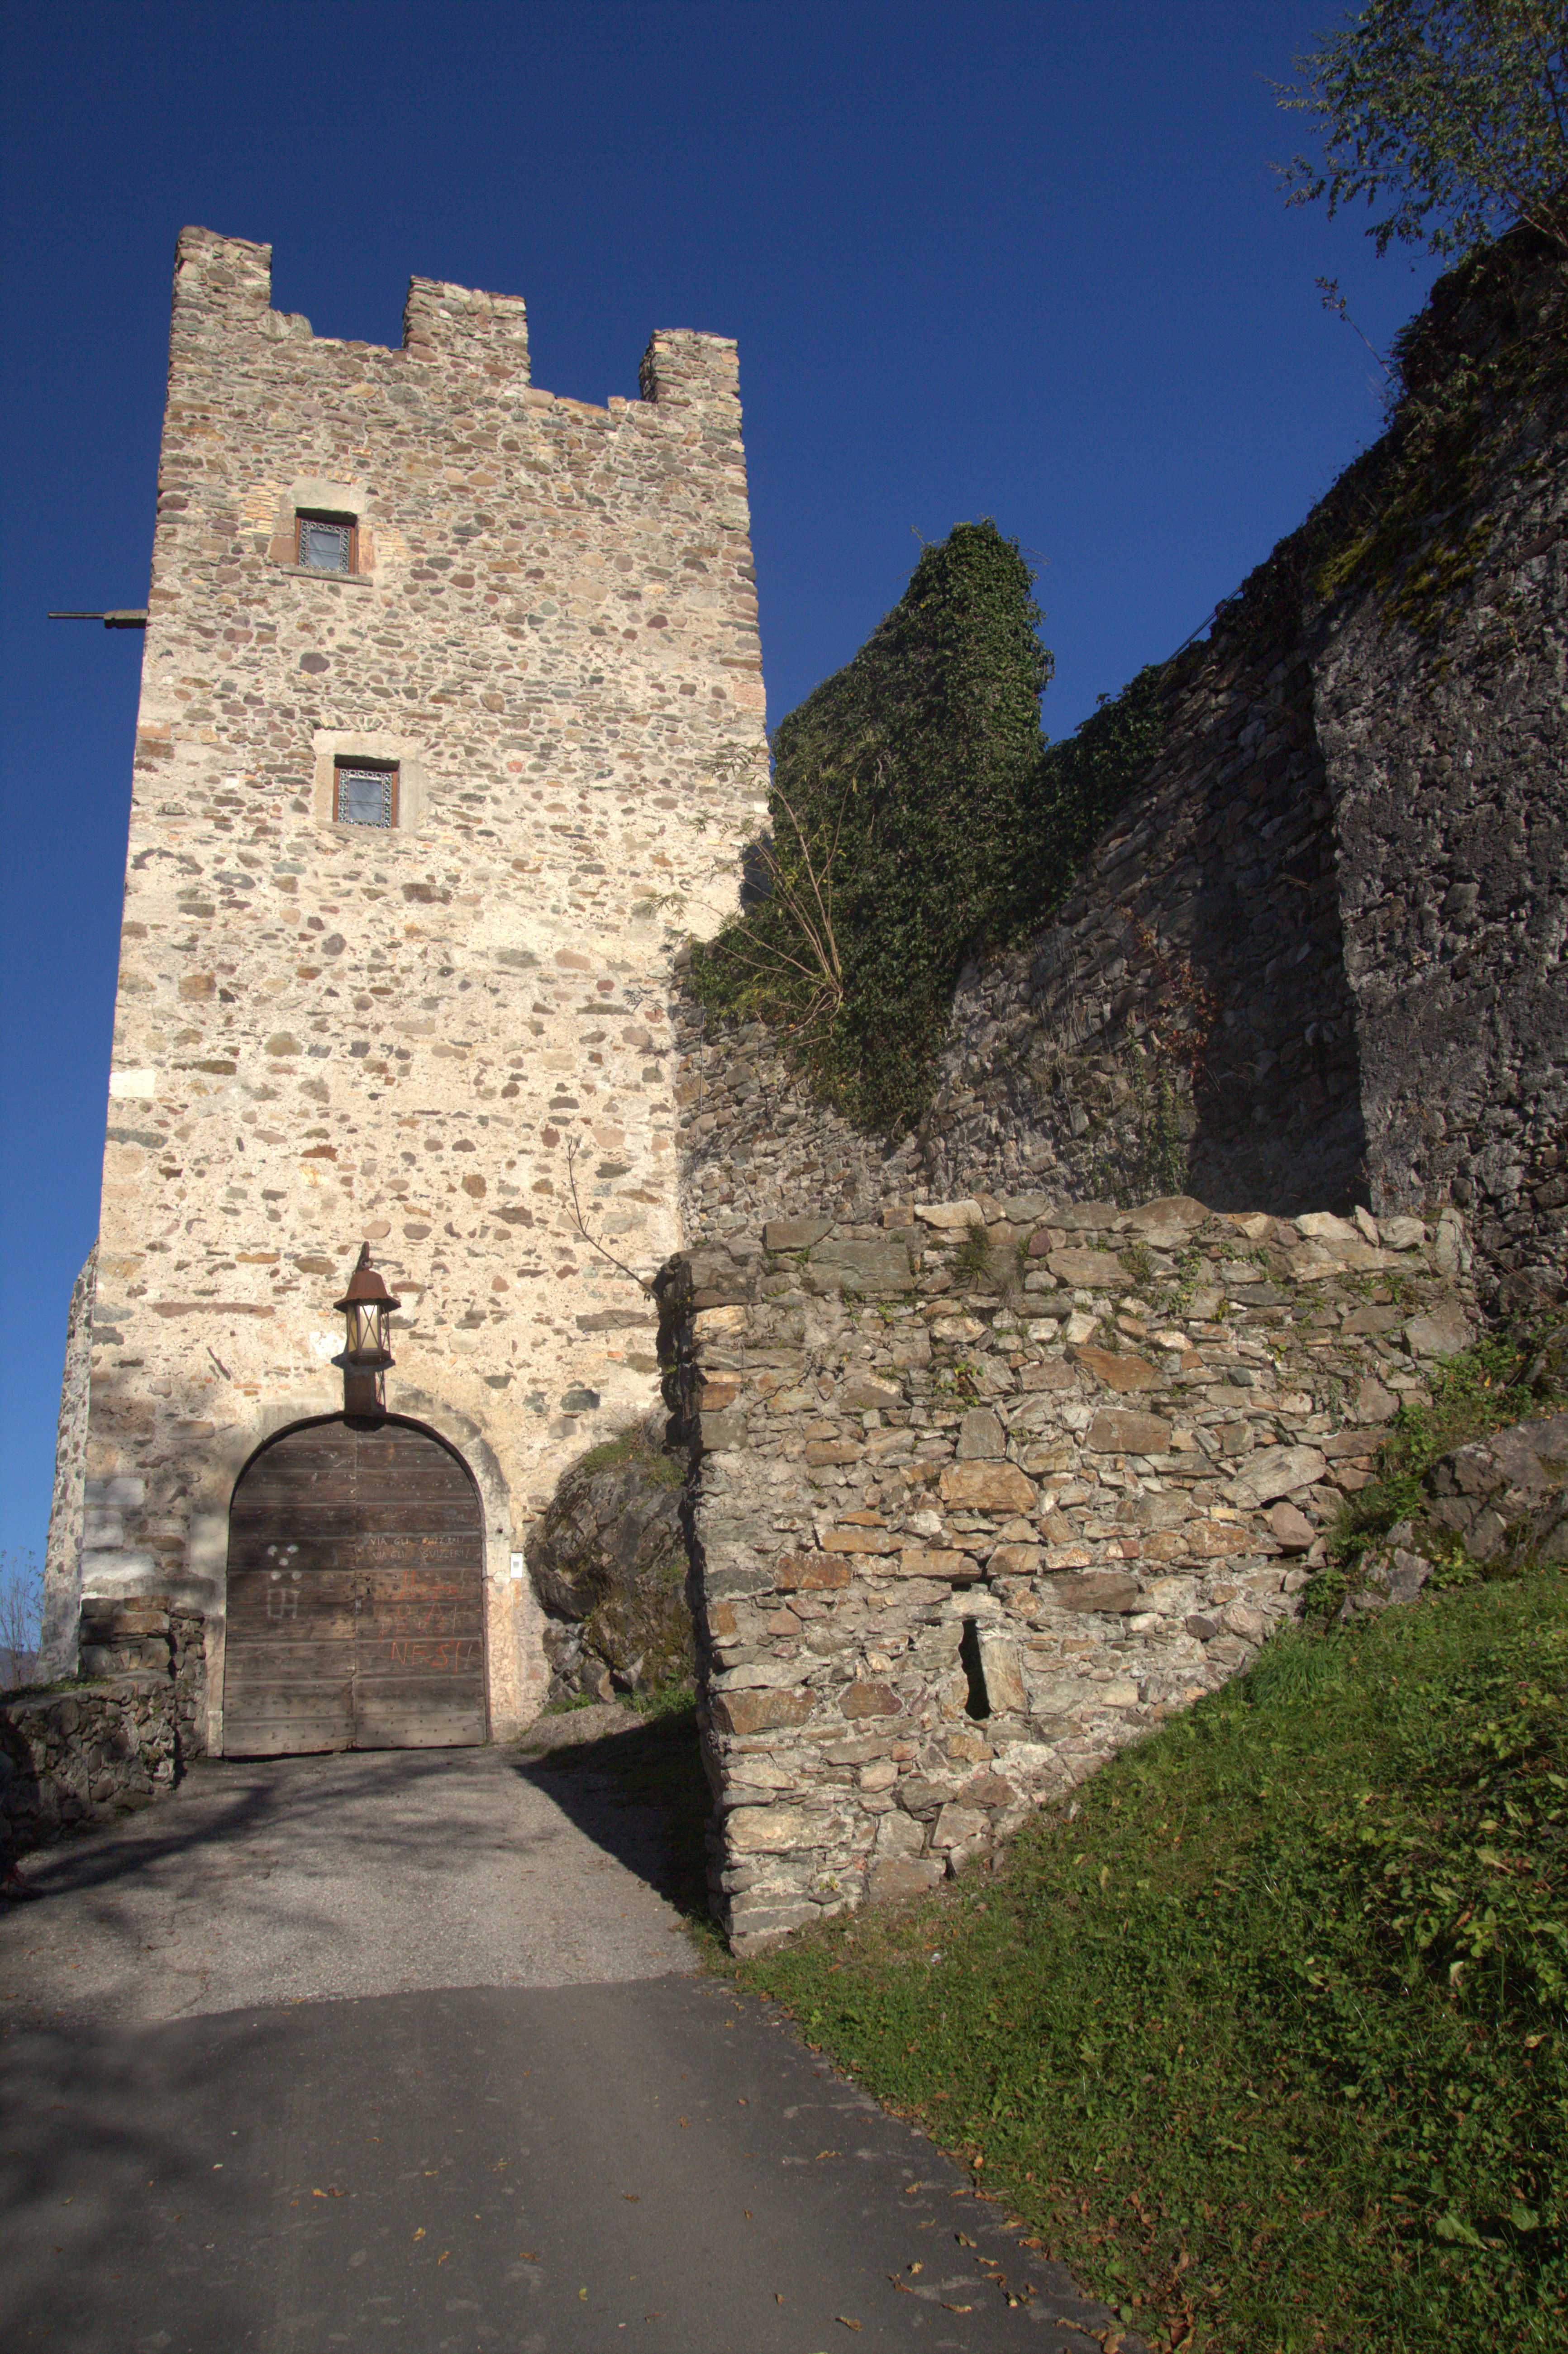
(804, 890)
(1329, 288)
(21, 1616)
(577, 1221)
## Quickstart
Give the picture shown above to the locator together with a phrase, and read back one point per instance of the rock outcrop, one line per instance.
(609, 1564)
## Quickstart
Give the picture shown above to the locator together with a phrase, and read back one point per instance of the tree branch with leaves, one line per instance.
(1451, 115)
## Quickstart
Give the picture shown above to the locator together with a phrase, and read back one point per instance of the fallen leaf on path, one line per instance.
(917, 2268)
(582, 2297)
(910, 2188)
(444, 2255)
(963, 2239)
(634, 2196)
(827, 2153)
(527, 2256)
(420, 2232)
(847, 2322)
(956, 2308)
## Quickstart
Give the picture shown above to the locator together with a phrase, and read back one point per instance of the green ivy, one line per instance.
(918, 816)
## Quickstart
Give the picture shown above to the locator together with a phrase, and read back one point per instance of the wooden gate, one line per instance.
(355, 1595)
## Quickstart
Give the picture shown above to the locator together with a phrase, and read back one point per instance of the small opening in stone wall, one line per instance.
(979, 1701)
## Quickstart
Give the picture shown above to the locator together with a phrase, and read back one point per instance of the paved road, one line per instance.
(367, 1872)
(396, 2050)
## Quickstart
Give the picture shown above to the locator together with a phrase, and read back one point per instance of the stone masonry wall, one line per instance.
(969, 1517)
(1216, 881)
(1446, 737)
(119, 1739)
(421, 1035)
(1222, 870)
(62, 1558)
(755, 1142)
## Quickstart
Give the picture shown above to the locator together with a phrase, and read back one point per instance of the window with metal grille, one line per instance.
(325, 543)
(363, 795)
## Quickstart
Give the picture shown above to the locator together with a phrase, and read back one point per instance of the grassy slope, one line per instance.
(1265, 2038)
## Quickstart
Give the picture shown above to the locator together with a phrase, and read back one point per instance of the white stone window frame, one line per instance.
(320, 495)
(378, 749)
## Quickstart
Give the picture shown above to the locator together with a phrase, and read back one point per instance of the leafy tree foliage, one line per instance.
(1450, 114)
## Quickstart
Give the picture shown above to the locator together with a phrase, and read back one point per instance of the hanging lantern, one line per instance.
(366, 1308)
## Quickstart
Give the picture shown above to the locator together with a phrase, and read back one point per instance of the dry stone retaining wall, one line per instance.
(967, 1518)
(119, 1739)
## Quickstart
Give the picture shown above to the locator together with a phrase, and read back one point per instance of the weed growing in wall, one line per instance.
(1148, 1153)
(1483, 1388)
(1487, 351)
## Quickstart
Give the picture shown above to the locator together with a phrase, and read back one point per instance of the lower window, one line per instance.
(363, 794)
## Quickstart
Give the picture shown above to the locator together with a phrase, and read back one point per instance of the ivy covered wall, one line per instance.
(1118, 966)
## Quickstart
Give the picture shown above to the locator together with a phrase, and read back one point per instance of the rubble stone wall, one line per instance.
(1212, 897)
(756, 1142)
(116, 1741)
(62, 1557)
(971, 1510)
(1447, 760)
(423, 1034)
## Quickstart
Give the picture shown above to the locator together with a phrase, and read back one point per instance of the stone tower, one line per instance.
(450, 728)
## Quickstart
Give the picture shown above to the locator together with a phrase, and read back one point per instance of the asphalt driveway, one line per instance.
(412, 2048)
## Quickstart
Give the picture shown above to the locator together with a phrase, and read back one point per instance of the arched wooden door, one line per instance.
(355, 1595)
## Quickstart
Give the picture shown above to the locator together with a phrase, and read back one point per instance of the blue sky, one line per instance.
(1018, 260)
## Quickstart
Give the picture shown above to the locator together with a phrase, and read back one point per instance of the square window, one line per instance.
(362, 795)
(325, 543)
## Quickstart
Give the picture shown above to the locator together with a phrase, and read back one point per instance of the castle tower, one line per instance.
(451, 723)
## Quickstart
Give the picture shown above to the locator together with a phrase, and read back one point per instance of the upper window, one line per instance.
(326, 543)
(363, 794)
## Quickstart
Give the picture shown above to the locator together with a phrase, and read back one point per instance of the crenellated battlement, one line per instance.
(223, 289)
(441, 321)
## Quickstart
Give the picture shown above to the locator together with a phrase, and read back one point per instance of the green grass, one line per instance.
(1265, 2038)
(630, 1447)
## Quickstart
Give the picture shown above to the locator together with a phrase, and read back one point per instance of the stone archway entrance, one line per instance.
(356, 1610)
